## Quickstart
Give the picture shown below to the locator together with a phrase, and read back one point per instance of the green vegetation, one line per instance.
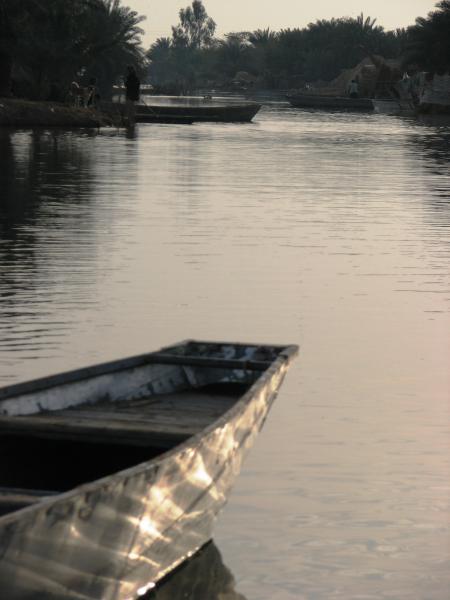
(180, 61)
(429, 40)
(271, 59)
(196, 29)
(192, 58)
(45, 44)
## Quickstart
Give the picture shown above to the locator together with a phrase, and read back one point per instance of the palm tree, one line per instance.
(232, 54)
(429, 45)
(53, 40)
(366, 25)
(12, 15)
(262, 37)
(113, 41)
(264, 55)
(7, 39)
(162, 69)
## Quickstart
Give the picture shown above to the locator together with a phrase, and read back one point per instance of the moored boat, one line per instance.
(119, 114)
(164, 119)
(324, 102)
(197, 109)
(116, 473)
(393, 107)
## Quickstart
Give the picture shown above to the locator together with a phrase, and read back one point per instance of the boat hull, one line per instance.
(117, 537)
(393, 107)
(330, 102)
(198, 112)
(165, 119)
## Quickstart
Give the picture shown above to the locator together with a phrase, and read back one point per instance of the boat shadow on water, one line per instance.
(203, 577)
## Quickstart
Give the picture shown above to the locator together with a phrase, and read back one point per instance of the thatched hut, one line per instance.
(374, 74)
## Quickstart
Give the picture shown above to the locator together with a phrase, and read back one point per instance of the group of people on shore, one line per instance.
(89, 96)
(84, 96)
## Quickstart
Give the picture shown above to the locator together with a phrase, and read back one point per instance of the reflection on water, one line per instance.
(328, 230)
(45, 181)
(204, 577)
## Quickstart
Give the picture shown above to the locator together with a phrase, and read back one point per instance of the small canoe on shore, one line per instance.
(330, 102)
(113, 475)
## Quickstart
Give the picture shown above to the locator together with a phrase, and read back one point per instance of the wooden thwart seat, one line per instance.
(160, 421)
(83, 427)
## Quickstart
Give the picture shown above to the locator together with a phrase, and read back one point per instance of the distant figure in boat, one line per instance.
(132, 92)
(353, 89)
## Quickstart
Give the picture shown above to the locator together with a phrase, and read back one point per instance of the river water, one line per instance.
(327, 230)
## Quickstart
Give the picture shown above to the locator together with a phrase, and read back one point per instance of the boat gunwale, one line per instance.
(285, 356)
(196, 101)
(201, 112)
(104, 368)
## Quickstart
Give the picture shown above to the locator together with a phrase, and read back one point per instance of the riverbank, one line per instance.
(26, 113)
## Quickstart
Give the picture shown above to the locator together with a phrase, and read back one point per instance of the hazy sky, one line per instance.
(240, 15)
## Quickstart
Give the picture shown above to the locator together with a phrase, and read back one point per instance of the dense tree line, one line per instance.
(270, 59)
(429, 40)
(45, 44)
(192, 57)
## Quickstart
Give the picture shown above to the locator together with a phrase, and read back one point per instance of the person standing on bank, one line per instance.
(353, 89)
(132, 92)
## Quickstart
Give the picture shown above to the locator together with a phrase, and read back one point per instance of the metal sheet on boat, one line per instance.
(115, 538)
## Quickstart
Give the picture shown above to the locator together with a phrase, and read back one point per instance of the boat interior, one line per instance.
(62, 431)
(50, 452)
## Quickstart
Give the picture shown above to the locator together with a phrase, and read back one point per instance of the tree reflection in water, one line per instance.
(204, 577)
(47, 237)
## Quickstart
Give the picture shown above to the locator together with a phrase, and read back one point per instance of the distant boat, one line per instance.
(393, 107)
(113, 475)
(196, 109)
(435, 96)
(330, 102)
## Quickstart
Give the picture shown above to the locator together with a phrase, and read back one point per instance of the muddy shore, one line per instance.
(27, 113)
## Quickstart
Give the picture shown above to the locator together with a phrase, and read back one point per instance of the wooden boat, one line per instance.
(330, 102)
(434, 97)
(117, 113)
(164, 119)
(197, 109)
(390, 106)
(113, 475)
